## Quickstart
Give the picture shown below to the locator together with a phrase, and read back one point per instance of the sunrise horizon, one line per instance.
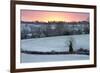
(54, 21)
(53, 16)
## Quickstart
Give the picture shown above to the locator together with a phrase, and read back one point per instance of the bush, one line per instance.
(82, 51)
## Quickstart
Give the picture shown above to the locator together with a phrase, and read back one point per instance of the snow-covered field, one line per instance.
(58, 43)
(49, 58)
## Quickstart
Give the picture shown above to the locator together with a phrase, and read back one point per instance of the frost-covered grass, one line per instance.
(28, 58)
(58, 43)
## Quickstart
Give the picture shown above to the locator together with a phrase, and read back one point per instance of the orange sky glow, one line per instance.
(45, 16)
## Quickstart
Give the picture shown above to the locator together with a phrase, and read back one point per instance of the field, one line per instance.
(58, 44)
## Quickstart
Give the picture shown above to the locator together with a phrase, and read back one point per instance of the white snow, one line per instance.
(58, 43)
(25, 58)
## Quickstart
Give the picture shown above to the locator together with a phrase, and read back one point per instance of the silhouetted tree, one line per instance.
(70, 47)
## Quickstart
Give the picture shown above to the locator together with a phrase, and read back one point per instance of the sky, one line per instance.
(45, 16)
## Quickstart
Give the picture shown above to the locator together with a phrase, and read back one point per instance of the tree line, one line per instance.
(40, 29)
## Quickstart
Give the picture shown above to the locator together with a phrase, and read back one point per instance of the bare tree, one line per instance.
(71, 50)
(70, 47)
